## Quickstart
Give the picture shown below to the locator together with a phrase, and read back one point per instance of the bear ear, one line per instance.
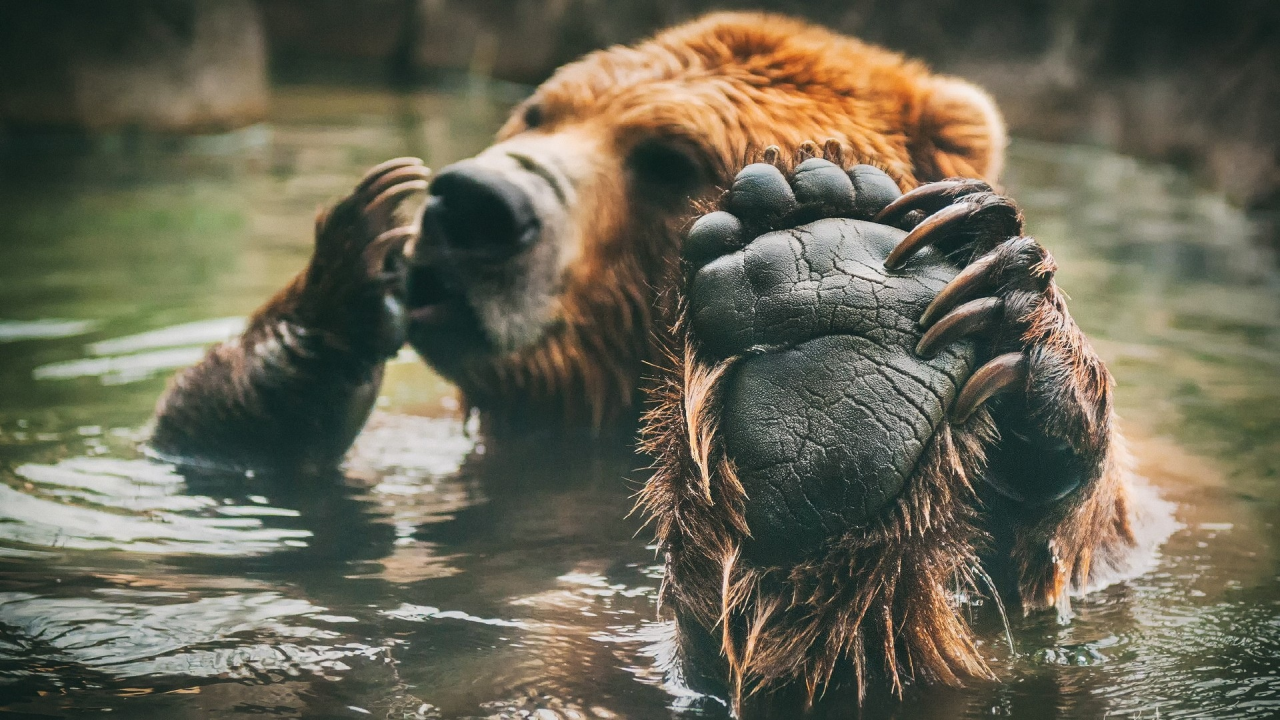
(959, 132)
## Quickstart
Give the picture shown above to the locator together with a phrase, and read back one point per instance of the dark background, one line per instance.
(1191, 82)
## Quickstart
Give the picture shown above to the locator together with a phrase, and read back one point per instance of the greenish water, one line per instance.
(437, 577)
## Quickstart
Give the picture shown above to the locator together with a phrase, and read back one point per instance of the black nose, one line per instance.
(480, 212)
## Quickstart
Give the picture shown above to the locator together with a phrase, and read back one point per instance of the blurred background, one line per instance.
(161, 162)
(1191, 82)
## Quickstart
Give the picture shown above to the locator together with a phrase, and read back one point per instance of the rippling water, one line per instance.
(437, 577)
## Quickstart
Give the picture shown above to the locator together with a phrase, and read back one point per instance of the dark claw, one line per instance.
(929, 198)
(410, 172)
(977, 316)
(928, 231)
(385, 245)
(971, 280)
(1000, 373)
(383, 168)
(389, 196)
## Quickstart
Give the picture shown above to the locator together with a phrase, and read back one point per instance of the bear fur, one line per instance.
(606, 331)
(722, 89)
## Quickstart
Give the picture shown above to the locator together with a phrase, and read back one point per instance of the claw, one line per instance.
(383, 168)
(833, 151)
(390, 195)
(394, 234)
(928, 231)
(973, 317)
(928, 197)
(808, 149)
(1000, 373)
(409, 172)
(385, 244)
(772, 154)
(970, 280)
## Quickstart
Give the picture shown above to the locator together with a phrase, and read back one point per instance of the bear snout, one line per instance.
(480, 214)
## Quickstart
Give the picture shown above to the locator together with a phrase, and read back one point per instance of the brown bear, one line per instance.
(862, 404)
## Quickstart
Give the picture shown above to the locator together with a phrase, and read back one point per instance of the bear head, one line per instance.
(544, 264)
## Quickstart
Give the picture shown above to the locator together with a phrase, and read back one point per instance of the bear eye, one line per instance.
(665, 164)
(533, 116)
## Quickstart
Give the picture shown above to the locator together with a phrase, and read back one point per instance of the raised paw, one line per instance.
(354, 286)
(826, 408)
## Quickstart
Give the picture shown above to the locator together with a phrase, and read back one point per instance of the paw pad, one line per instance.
(872, 190)
(760, 191)
(818, 182)
(713, 235)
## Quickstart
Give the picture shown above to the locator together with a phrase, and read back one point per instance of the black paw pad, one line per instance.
(872, 190)
(713, 235)
(760, 191)
(821, 183)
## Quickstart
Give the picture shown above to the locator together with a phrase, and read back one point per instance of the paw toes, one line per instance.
(759, 192)
(819, 182)
(873, 189)
(713, 235)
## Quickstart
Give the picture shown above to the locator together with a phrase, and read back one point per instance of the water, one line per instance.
(437, 577)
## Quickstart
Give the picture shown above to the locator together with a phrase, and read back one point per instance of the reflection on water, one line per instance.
(438, 577)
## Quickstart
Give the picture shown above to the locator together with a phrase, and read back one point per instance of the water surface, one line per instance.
(438, 577)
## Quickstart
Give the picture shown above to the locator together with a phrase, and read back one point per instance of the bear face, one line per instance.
(826, 464)
(536, 283)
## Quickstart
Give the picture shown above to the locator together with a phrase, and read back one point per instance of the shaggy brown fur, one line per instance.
(722, 89)
(886, 601)
(882, 602)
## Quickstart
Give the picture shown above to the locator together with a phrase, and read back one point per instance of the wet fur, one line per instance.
(882, 603)
(786, 82)
(883, 606)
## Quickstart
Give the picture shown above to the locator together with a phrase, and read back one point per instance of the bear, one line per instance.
(778, 256)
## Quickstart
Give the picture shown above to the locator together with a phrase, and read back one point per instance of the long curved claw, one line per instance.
(929, 198)
(975, 316)
(390, 195)
(382, 168)
(928, 231)
(1000, 373)
(380, 251)
(398, 175)
(974, 278)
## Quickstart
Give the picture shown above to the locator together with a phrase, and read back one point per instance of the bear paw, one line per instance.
(827, 406)
(353, 288)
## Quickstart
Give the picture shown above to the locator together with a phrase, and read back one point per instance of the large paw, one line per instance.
(828, 406)
(354, 285)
